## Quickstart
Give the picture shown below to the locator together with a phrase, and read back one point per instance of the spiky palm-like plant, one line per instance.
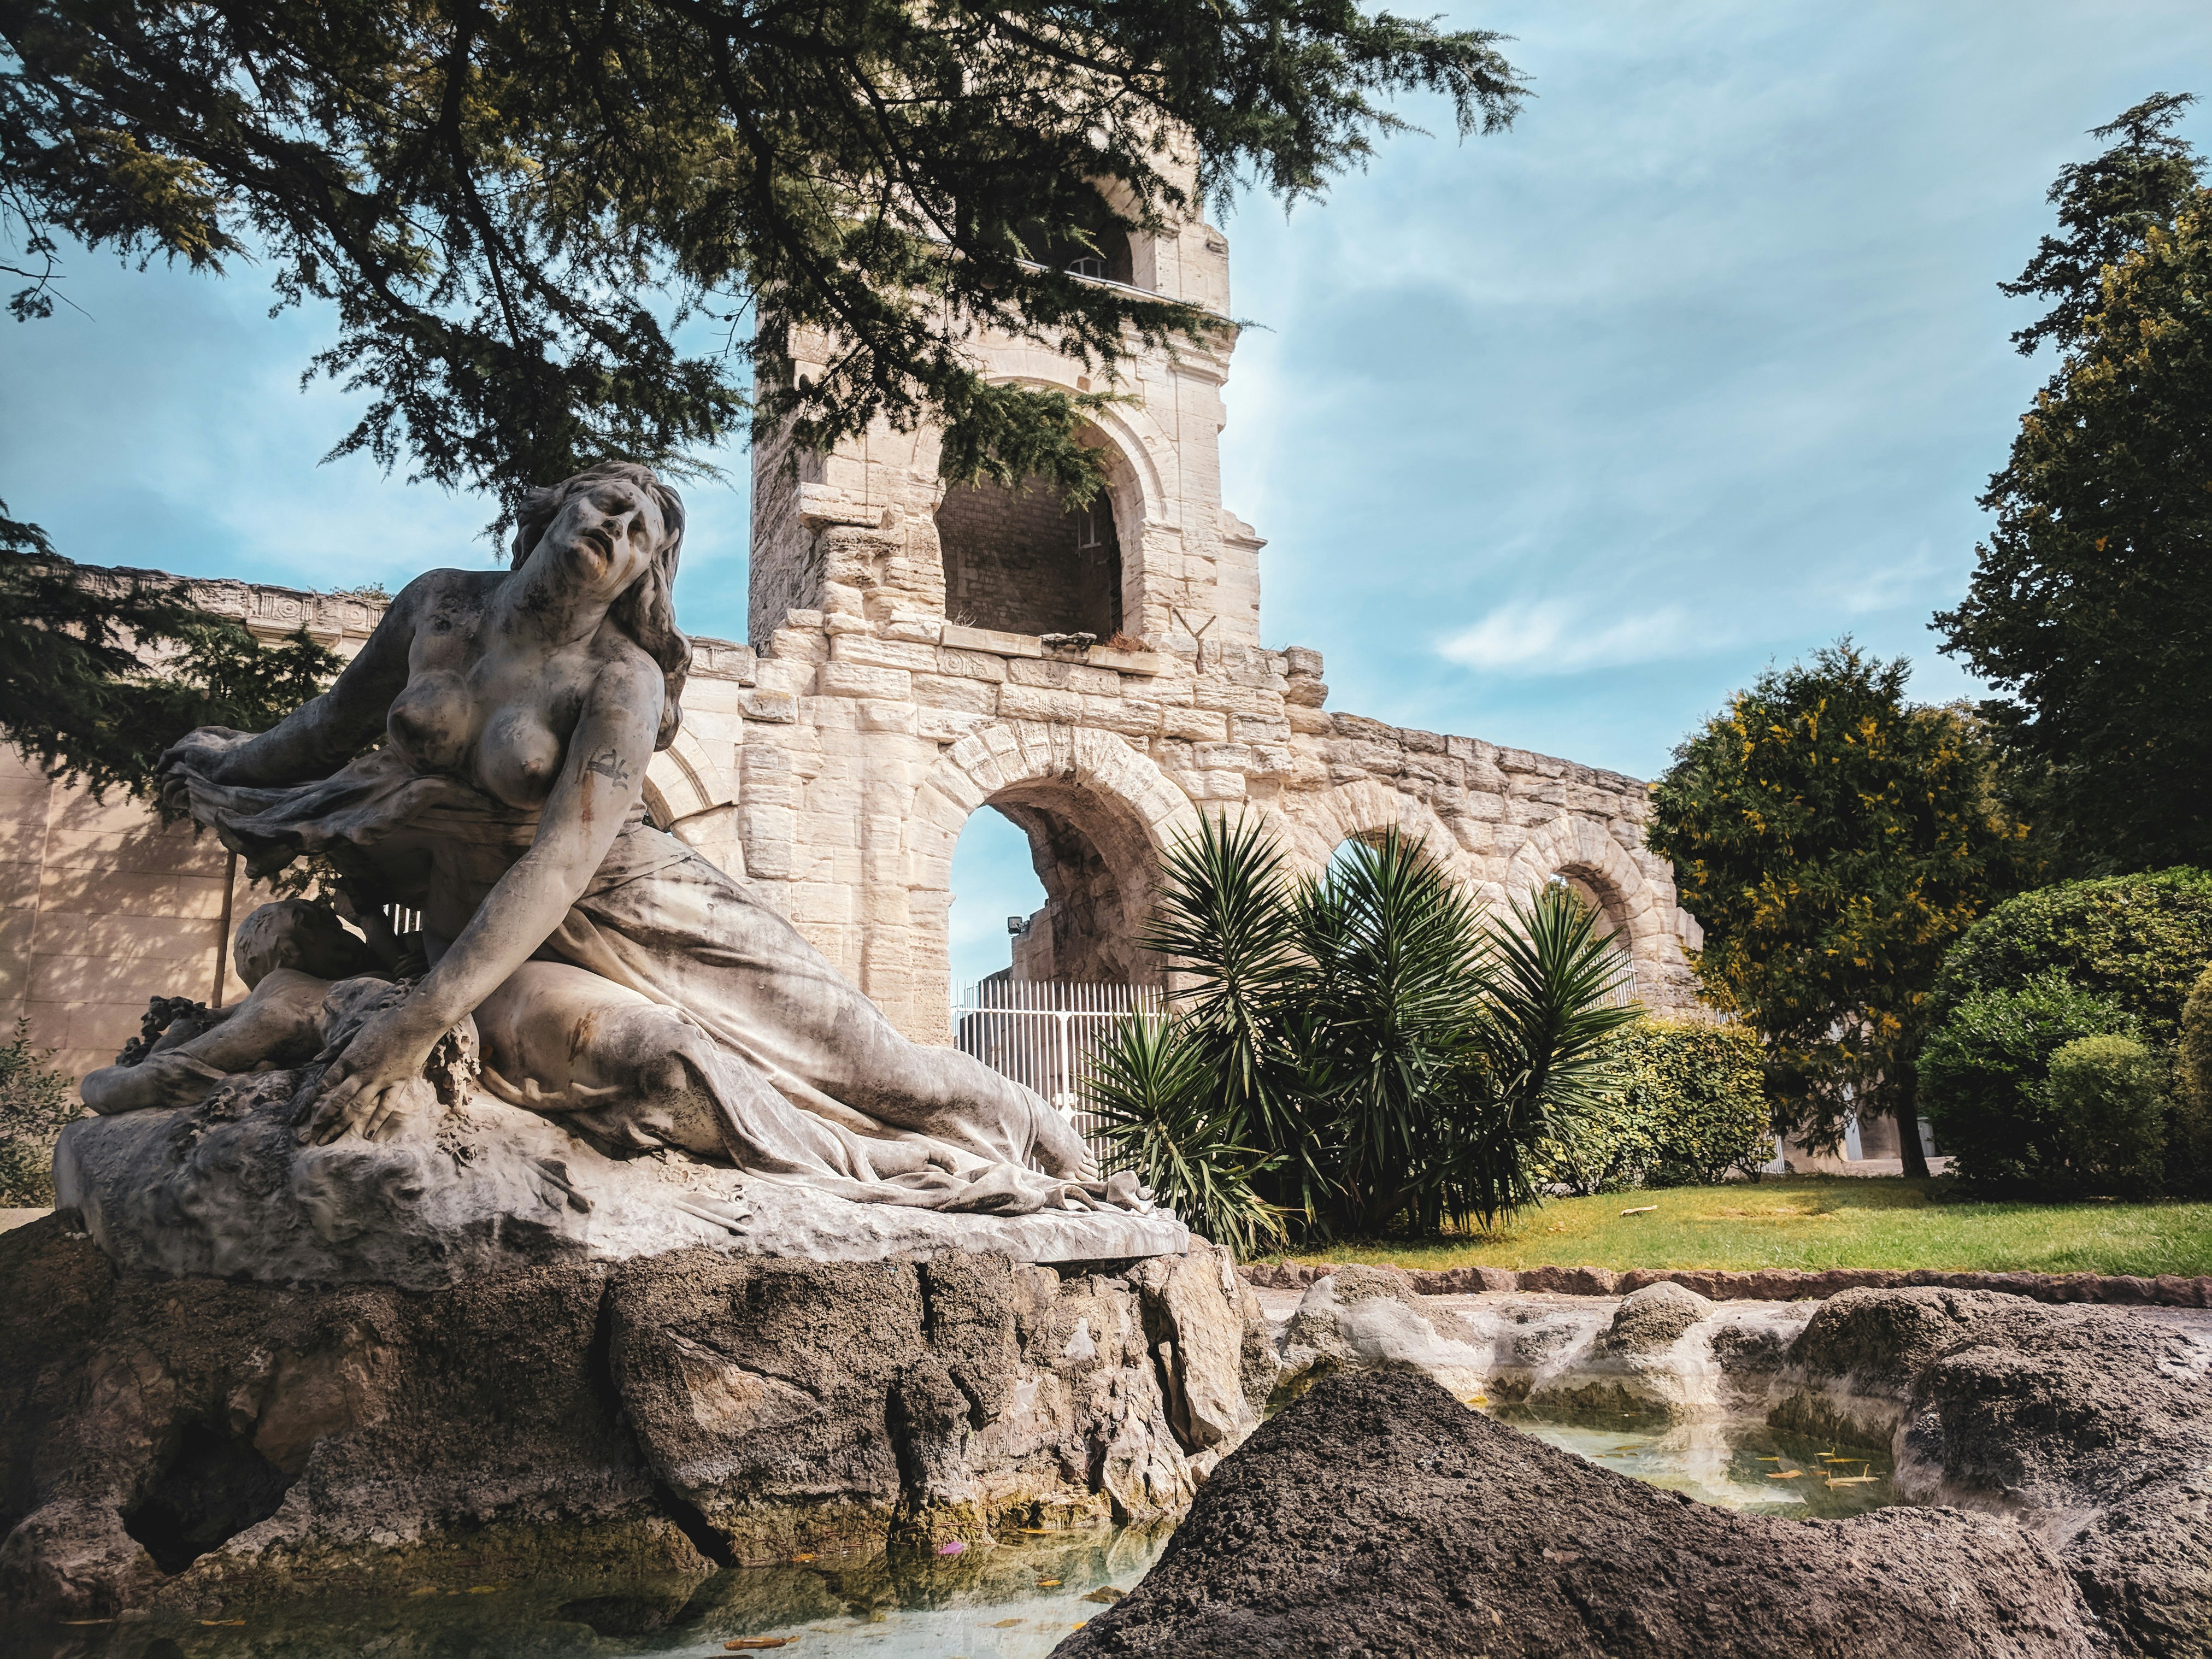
(1551, 996)
(1361, 1049)
(1393, 965)
(1150, 1085)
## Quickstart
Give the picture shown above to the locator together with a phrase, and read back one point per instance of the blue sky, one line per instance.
(1557, 436)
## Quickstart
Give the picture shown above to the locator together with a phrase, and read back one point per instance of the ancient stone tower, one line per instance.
(1097, 676)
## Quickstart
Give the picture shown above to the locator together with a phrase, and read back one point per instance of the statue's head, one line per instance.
(626, 528)
(294, 933)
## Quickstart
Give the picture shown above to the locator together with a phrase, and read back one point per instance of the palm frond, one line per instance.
(1152, 1089)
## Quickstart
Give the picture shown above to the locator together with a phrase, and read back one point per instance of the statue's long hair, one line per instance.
(646, 610)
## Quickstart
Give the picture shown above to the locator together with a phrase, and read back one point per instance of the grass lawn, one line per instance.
(1823, 1222)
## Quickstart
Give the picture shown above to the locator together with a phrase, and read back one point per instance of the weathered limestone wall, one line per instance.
(869, 739)
(101, 905)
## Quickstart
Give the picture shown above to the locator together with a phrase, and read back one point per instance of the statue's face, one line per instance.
(605, 534)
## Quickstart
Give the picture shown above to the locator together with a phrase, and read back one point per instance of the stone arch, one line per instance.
(1312, 825)
(1584, 851)
(683, 780)
(1099, 815)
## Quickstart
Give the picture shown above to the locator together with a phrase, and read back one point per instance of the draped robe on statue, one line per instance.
(808, 1081)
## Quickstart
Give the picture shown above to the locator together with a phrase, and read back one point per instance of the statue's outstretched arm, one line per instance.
(324, 732)
(602, 777)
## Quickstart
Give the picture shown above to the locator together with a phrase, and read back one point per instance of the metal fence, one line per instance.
(1043, 1033)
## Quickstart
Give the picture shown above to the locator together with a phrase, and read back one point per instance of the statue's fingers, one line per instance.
(341, 1109)
(382, 1115)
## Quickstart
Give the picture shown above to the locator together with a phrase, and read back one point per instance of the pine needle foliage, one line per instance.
(1360, 1052)
(2088, 609)
(101, 669)
(515, 210)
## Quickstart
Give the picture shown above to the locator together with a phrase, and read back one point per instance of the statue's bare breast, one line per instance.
(486, 706)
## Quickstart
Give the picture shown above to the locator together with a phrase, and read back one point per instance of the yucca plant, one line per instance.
(1388, 986)
(1552, 996)
(1154, 1091)
(1225, 920)
(1359, 1050)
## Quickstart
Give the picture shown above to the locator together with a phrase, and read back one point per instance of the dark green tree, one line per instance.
(2090, 608)
(1833, 840)
(513, 208)
(2106, 208)
(101, 669)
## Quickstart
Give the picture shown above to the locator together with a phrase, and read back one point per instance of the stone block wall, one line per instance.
(873, 734)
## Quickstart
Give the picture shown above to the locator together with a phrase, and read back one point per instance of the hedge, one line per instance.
(2141, 940)
(1690, 1107)
(1982, 1077)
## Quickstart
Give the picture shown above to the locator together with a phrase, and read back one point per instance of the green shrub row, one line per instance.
(1687, 1107)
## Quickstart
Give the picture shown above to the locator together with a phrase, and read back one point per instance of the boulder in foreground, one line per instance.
(1378, 1515)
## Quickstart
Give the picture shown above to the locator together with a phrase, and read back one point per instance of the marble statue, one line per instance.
(574, 961)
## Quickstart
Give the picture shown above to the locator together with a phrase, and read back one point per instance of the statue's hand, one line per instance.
(200, 753)
(374, 1081)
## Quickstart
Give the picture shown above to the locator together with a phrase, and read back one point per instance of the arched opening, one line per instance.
(1597, 900)
(1052, 885)
(995, 892)
(1074, 967)
(1090, 242)
(1095, 862)
(1022, 561)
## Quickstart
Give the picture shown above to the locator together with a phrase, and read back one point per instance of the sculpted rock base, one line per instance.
(220, 1189)
(187, 1444)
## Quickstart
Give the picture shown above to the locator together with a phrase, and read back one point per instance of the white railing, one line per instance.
(1042, 1034)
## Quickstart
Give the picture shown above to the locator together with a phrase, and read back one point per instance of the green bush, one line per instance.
(36, 1102)
(1982, 1077)
(1688, 1108)
(1608, 1147)
(2189, 1136)
(2142, 941)
(2107, 1095)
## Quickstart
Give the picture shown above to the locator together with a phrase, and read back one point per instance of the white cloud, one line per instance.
(1551, 636)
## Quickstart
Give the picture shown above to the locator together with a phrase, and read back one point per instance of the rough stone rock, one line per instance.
(1183, 1296)
(1377, 1515)
(1662, 1351)
(220, 1189)
(1365, 1319)
(2091, 1425)
(1652, 1320)
(1767, 1285)
(1646, 1359)
(190, 1443)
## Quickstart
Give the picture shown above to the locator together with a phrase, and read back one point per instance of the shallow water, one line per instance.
(1737, 1463)
(1016, 1600)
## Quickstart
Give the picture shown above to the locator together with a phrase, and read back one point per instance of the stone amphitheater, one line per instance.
(916, 655)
